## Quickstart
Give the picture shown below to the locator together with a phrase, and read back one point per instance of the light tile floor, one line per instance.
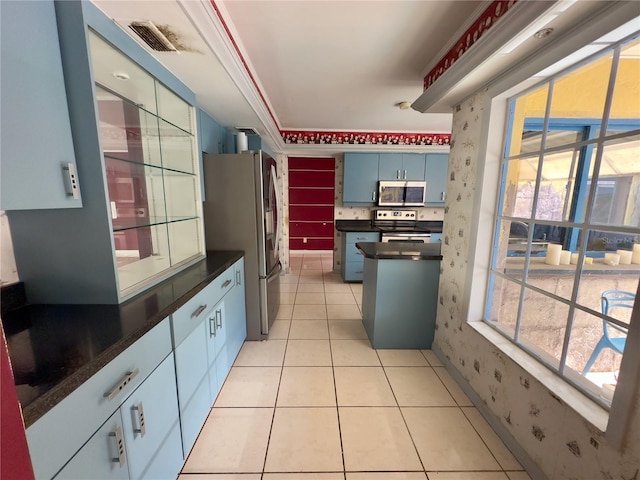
(315, 401)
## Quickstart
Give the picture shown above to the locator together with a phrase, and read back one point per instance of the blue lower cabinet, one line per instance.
(148, 416)
(217, 325)
(164, 464)
(352, 261)
(103, 457)
(237, 314)
(193, 386)
(126, 445)
(193, 415)
(399, 302)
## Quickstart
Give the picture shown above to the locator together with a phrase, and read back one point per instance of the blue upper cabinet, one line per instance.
(413, 166)
(119, 155)
(402, 166)
(360, 185)
(37, 146)
(436, 174)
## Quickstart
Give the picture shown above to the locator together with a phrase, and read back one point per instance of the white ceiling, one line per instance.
(329, 65)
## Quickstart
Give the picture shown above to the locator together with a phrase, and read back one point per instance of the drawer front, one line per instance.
(354, 271)
(353, 237)
(352, 254)
(78, 416)
(189, 316)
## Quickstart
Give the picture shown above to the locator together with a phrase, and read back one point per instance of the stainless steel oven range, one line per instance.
(400, 226)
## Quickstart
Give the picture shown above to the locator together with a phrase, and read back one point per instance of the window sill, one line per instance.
(573, 398)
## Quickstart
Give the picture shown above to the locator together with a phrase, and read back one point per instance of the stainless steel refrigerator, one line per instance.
(242, 212)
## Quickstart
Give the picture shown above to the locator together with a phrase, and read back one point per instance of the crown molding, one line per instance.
(517, 18)
(206, 17)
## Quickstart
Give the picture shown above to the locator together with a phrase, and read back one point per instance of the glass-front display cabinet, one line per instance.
(149, 147)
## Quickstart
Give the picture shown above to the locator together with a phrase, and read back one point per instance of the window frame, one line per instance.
(492, 176)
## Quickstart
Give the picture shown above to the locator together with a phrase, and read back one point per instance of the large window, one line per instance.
(566, 253)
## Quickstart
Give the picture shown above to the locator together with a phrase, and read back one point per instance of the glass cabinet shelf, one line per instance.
(152, 175)
(122, 224)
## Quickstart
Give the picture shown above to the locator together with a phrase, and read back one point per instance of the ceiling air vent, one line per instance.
(247, 130)
(152, 36)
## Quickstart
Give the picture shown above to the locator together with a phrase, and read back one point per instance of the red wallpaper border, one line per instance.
(483, 23)
(364, 138)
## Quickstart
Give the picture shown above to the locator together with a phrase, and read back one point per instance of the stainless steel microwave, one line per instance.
(400, 193)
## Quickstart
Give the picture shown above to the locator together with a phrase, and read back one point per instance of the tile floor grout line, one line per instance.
(404, 420)
(275, 403)
(335, 392)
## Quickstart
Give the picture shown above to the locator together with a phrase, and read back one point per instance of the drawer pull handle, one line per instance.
(238, 277)
(218, 323)
(113, 393)
(138, 423)
(122, 456)
(212, 326)
(443, 196)
(199, 310)
(398, 175)
(226, 284)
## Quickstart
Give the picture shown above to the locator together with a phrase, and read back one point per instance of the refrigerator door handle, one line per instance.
(276, 189)
(275, 273)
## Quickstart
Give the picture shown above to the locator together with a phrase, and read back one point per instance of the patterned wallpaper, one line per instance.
(561, 442)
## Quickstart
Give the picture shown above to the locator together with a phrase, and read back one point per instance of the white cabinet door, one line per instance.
(102, 457)
(148, 416)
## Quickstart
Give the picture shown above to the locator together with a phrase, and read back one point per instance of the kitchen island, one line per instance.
(400, 293)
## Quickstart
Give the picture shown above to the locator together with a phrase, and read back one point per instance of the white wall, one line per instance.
(560, 441)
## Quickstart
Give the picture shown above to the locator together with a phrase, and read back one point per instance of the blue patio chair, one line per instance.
(611, 299)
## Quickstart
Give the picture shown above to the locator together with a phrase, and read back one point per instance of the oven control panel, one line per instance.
(391, 214)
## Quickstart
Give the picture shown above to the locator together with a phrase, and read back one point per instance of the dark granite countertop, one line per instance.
(430, 226)
(400, 250)
(55, 348)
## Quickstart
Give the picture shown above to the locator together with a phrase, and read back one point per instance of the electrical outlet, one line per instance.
(304, 240)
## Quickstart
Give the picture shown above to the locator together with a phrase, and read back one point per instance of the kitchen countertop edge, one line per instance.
(433, 226)
(215, 264)
(400, 251)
